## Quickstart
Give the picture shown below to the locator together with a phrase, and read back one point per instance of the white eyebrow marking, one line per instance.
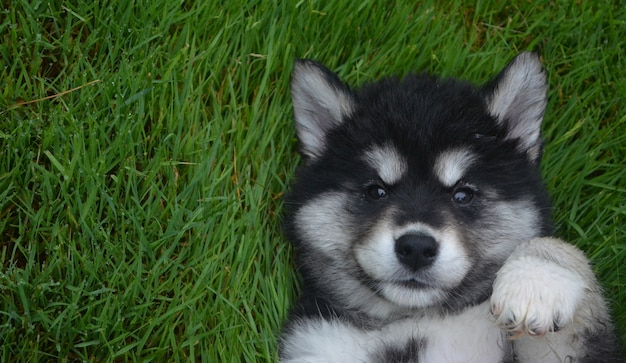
(451, 165)
(388, 162)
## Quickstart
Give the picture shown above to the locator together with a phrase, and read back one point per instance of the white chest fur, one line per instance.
(468, 337)
(471, 336)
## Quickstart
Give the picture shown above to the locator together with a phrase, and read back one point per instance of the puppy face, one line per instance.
(414, 191)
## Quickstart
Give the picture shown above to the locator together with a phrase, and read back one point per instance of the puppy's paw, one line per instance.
(535, 296)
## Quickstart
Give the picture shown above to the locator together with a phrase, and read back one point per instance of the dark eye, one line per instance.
(463, 195)
(376, 191)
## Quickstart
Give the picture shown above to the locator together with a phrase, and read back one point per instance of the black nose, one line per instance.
(416, 250)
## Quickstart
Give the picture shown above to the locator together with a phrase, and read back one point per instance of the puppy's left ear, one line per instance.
(517, 99)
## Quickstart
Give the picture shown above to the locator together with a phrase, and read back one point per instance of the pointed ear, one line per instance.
(320, 103)
(517, 99)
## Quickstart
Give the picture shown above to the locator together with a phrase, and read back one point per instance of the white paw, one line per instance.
(535, 296)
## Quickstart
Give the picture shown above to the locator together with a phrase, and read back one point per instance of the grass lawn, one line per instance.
(146, 146)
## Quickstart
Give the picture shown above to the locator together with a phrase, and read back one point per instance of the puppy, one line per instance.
(422, 231)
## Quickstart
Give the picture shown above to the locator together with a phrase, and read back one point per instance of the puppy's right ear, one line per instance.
(517, 99)
(320, 103)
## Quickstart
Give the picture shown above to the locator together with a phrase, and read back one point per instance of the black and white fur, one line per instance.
(421, 227)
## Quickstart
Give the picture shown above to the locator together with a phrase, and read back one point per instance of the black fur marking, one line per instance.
(405, 354)
(603, 347)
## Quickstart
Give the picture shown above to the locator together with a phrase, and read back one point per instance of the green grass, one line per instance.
(140, 201)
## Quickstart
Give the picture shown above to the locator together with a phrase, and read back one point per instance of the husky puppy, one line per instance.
(422, 231)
